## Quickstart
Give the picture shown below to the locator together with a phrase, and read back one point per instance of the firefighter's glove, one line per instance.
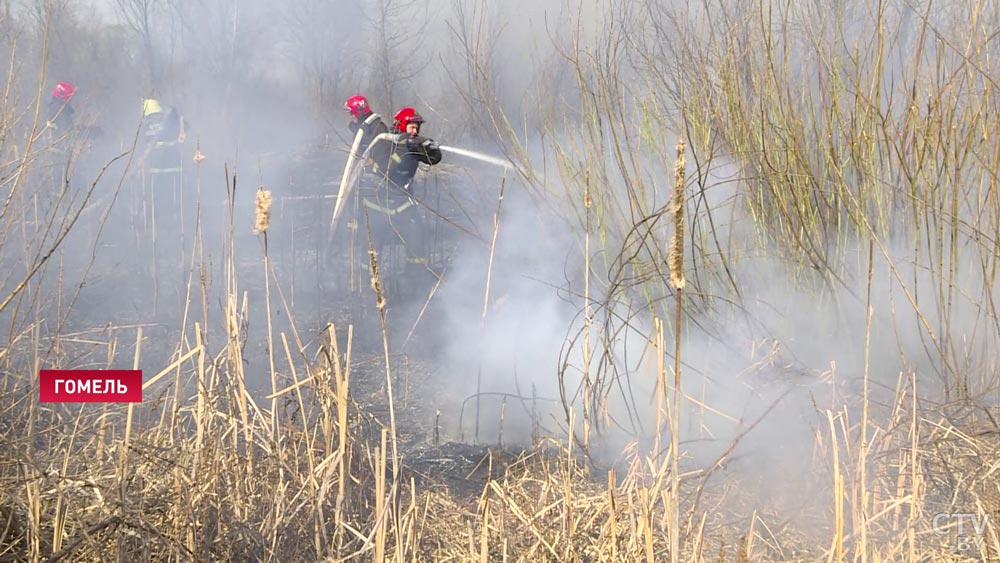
(429, 144)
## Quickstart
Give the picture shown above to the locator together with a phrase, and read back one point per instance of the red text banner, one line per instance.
(90, 386)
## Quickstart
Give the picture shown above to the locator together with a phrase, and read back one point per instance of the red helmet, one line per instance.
(357, 105)
(405, 117)
(64, 91)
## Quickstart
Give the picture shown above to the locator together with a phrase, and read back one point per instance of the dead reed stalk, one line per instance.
(380, 303)
(261, 224)
(677, 280)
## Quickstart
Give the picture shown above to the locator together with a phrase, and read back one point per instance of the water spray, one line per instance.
(478, 156)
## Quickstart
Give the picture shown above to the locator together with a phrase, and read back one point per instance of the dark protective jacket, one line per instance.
(162, 134)
(373, 126)
(163, 127)
(60, 115)
(407, 154)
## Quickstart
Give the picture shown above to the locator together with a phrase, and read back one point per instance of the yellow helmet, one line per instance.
(151, 106)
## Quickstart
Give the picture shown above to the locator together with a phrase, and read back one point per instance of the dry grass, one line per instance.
(74, 494)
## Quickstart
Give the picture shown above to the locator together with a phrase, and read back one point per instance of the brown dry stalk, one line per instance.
(676, 261)
(262, 224)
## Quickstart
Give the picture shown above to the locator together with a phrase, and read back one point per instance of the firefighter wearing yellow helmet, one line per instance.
(163, 130)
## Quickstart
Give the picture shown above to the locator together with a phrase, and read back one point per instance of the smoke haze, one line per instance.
(261, 85)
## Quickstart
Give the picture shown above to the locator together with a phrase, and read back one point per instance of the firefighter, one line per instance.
(163, 133)
(370, 126)
(406, 151)
(410, 149)
(396, 223)
(60, 112)
(165, 212)
(363, 118)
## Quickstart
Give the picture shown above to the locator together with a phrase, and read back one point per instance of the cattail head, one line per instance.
(676, 258)
(263, 211)
(376, 279)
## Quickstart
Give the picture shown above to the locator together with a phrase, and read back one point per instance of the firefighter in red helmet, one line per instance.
(363, 118)
(60, 112)
(410, 149)
(396, 222)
